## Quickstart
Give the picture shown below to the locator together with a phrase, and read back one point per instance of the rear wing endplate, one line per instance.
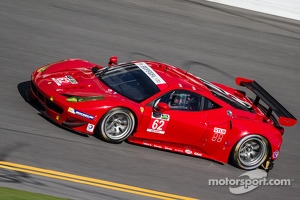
(285, 118)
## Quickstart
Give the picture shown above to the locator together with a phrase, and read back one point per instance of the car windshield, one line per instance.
(130, 81)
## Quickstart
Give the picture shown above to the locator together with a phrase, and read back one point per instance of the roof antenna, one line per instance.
(187, 69)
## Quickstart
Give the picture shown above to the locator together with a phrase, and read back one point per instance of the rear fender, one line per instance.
(268, 131)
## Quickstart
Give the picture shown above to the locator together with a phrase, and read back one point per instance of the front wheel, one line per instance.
(250, 152)
(116, 125)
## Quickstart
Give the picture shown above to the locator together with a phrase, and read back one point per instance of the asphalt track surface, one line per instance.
(215, 42)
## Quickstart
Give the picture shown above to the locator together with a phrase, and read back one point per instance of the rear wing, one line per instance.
(285, 118)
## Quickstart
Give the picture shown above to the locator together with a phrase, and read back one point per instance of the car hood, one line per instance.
(73, 77)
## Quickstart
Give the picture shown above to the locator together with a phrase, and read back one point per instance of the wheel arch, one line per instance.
(134, 115)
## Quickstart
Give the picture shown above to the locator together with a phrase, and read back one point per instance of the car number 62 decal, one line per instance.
(158, 124)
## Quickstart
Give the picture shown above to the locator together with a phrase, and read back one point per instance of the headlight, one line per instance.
(81, 99)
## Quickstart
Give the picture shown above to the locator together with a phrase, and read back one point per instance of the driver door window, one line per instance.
(182, 100)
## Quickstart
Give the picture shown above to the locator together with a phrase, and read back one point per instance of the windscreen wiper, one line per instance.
(100, 73)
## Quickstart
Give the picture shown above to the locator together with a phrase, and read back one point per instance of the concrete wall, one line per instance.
(283, 8)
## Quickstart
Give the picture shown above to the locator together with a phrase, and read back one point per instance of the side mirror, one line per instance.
(162, 106)
(113, 60)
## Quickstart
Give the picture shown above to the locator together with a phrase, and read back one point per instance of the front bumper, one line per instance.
(59, 114)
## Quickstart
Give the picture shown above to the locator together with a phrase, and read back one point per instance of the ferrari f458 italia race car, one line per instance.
(161, 106)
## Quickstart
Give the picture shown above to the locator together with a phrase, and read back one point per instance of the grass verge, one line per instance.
(12, 194)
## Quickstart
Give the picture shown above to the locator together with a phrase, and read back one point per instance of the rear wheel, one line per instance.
(250, 152)
(116, 125)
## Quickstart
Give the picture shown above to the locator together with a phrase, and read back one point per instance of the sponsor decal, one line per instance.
(56, 81)
(71, 79)
(168, 148)
(147, 144)
(197, 154)
(218, 134)
(219, 130)
(178, 150)
(150, 73)
(71, 110)
(187, 151)
(90, 127)
(157, 146)
(275, 154)
(159, 123)
(229, 113)
(76, 112)
(64, 80)
(109, 91)
(165, 117)
(142, 109)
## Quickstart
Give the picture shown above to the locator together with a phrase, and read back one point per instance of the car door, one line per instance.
(183, 123)
(218, 131)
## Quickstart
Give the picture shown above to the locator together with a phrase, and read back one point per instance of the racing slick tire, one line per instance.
(116, 125)
(250, 152)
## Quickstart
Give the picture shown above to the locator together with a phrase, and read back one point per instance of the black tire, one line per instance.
(250, 152)
(116, 125)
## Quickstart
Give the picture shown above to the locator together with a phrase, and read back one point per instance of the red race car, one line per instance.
(161, 106)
